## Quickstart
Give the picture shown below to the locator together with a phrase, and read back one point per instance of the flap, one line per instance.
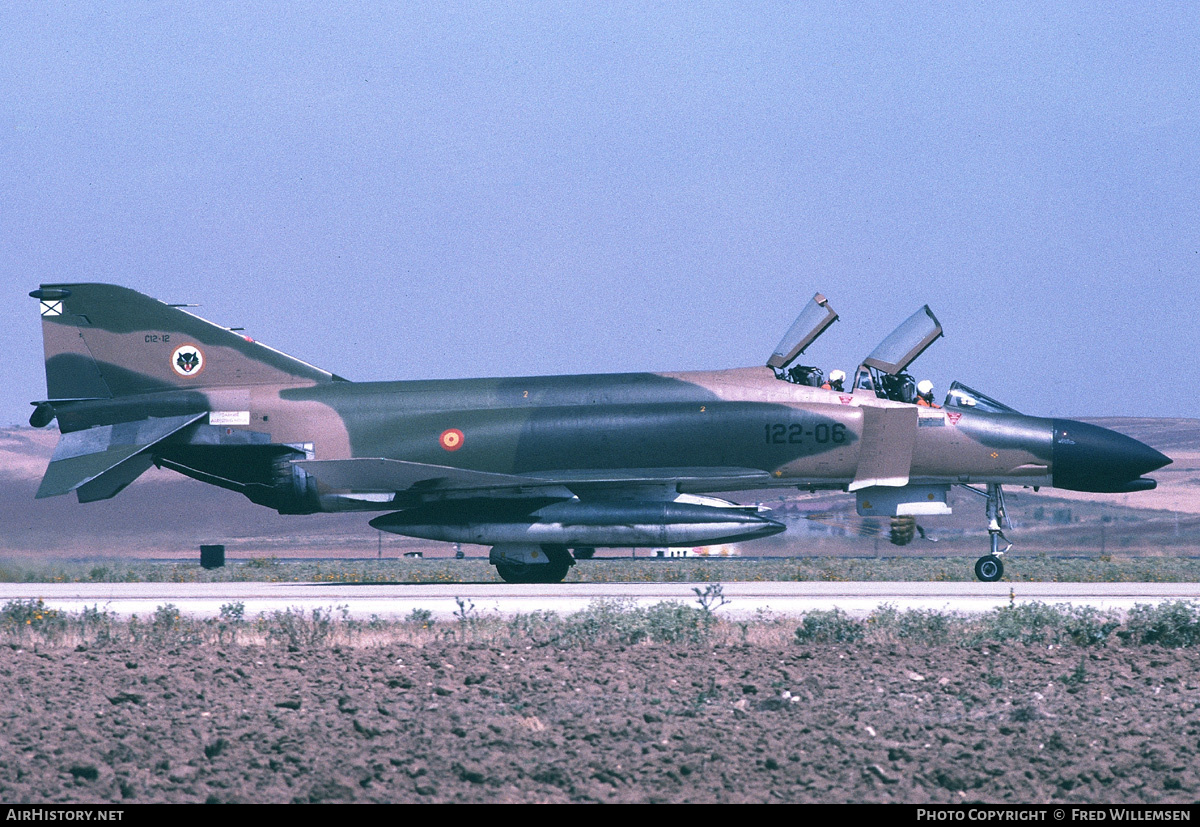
(82, 458)
(886, 448)
(717, 478)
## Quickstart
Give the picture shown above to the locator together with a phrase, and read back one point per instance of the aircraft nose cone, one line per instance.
(1090, 458)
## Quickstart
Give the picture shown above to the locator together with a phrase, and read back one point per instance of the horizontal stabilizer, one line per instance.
(101, 461)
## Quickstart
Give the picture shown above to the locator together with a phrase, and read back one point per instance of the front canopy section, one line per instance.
(813, 320)
(963, 397)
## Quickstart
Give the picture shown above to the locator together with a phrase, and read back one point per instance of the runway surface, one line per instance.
(393, 601)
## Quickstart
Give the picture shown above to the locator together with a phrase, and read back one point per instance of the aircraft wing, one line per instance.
(99, 462)
(392, 475)
(378, 474)
(586, 482)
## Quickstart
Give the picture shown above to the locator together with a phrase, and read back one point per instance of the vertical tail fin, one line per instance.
(104, 341)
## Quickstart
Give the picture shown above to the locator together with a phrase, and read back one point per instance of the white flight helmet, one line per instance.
(924, 387)
(837, 376)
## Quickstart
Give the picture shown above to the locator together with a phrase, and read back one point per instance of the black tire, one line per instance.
(584, 553)
(989, 568)
(554, 571)
(511, 573)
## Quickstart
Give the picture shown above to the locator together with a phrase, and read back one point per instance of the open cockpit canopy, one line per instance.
(883, 372)
(816, 316)
(813, 320)
(904, 344)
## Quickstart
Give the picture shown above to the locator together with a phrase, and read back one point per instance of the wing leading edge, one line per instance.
(390, 475)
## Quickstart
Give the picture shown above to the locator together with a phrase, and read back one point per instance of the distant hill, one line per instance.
(1169, 435)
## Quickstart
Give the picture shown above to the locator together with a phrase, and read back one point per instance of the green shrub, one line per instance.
(915, 625)
(32, 615)
(622, 622)
(669, 622)
(1167, 624)
(294, 628)
(1039, 623)
(1088, 626)
(1023, 623)
(166, 619)
(829, 627)
(538, 627)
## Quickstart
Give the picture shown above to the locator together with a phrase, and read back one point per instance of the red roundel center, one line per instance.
(451, 439)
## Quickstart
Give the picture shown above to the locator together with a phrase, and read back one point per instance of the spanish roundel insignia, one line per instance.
(452, 439)
(187, 360)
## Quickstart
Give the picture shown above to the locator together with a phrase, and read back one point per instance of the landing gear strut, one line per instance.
(990, 568)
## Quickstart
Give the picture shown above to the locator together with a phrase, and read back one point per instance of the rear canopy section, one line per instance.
(904, 344)
(883, 372)
(816, 316)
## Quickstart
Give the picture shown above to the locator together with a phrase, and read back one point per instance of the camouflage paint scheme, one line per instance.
(135, 382)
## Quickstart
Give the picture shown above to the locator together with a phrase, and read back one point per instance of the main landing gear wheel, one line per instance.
(517, 573)
(989, 568)
(558, 563)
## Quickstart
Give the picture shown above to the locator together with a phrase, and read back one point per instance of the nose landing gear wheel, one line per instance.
(989, 568)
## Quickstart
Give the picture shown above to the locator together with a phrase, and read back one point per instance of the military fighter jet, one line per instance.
(538, 467)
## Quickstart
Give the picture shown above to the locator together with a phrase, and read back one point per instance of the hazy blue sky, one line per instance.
(420, 190)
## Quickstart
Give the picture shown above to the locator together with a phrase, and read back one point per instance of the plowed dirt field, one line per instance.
(452, 721)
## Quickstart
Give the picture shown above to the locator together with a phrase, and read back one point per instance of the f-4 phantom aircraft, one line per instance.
(538, 467)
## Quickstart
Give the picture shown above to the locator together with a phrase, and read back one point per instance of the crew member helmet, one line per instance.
(837, 376)
(924, 387)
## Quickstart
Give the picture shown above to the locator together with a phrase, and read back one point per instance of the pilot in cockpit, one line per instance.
(836, 380)
(925, 394)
